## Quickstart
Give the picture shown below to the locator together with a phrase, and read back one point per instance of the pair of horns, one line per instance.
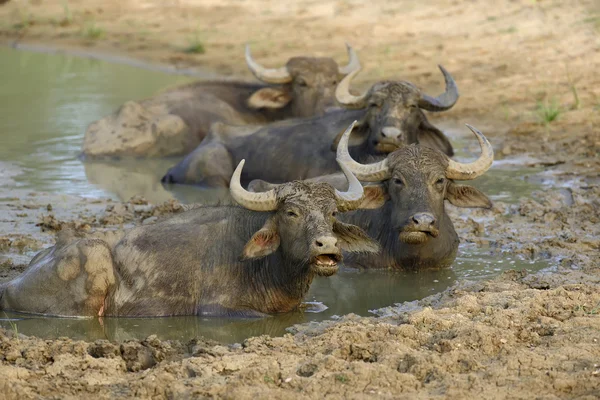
(267, 201)
(380, 171)
(443, 102)
(282, 75)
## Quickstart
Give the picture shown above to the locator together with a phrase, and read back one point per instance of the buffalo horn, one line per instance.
(445, 100)
(468, 171)
(353, 62)
(375, 172)
(265, 201)
(343, 95)
(269, 75)
(350, 199)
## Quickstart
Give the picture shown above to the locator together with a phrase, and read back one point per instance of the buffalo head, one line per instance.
(416, 180)
(306, 84)
(304, 225)
(394, 115)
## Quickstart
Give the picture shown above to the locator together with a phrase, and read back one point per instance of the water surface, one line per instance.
(46, 103)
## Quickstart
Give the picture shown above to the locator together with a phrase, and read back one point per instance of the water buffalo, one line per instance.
(390, 115)
(226, 260)
(407, 214)
(175, 121)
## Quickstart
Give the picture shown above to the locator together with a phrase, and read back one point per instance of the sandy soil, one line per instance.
(518, 336)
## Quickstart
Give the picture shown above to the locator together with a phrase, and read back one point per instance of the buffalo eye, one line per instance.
(301, 82)
(291, 213)
(398, 181)
(334, 82)
(374, 105)
(440, 183)
(334, 214)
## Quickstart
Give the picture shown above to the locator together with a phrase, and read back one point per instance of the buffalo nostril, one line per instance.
(423, 219)
(390, 132)
(326, 241)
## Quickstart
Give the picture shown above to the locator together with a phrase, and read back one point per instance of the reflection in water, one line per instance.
(46, 103)
(350, 291)
(142, 177)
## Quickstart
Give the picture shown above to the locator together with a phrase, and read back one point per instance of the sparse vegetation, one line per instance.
(572, 83)
(92, 31)
(510, 29)
(195, 45)
(548, 111)
(594, 20)
(24, 19)
(341, 378)
(13, 326)
(67, 17)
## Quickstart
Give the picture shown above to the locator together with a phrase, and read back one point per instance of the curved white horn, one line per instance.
(375, 172)
(468, 171)
(265, 201)
(269, 75)
(445, 100)
(343, 95)
(353, 61)
(350, 199)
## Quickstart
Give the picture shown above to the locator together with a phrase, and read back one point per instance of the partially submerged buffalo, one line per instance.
(227, 260)
(175, 121)
(407, 215)
(389, 114)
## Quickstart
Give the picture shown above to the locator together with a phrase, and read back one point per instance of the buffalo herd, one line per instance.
(320, 174)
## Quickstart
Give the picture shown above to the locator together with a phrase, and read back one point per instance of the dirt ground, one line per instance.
(528, 76)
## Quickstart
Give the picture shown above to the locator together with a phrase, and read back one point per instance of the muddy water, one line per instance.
(46, 102)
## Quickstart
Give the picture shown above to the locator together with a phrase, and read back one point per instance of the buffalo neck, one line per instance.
(276, 282)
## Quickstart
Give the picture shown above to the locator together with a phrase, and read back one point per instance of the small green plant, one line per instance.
(510, 29)
(341, 378)
(67, 17)
(13, 326)
(268, 379)
(24, 19)
(594, 20)
(587, 309)
(572, 83)
(195, 45)
(548, 111)
(92, 31)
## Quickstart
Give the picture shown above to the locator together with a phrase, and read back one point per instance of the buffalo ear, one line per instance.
(262, 243)
(269, 97)
(430, 136)
(466, 196)
(357, 137)
(353, 239)
(375, 196)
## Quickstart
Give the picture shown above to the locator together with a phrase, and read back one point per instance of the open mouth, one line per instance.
(326, 264)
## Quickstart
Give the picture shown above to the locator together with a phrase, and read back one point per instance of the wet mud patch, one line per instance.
(507, 336)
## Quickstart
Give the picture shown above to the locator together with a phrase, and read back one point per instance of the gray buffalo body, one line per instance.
(175, 121)
(206, 261)
(389, 115)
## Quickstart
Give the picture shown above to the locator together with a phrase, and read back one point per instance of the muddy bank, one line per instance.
(515, 336)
